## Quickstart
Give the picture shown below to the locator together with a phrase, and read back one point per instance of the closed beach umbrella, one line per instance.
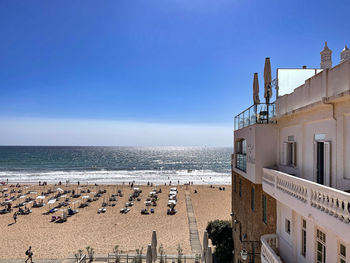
(154, 246)
(149, 254)
(267, 80)
(205, 245)
(209, 256)
(256, 89)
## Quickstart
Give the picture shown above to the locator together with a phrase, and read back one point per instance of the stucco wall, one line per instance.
(335, 126)
(261, 149)
(290, 245)
(328, 83)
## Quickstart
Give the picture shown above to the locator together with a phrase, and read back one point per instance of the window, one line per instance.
(241, 155)
(252, 203)
(235, 183)
(289, 154)
(303, 239)
(320, 247)
(240, 187)
(287, 226)
(342, 253)
(264, 209)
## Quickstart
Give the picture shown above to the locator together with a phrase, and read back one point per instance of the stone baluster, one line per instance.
(318, 200)
(345, 211)
(333, 207)
(327, 204)
(340, 210)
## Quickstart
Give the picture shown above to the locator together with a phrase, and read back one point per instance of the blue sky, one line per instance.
(149, 65)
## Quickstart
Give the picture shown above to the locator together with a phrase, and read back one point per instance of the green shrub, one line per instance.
(220, 234)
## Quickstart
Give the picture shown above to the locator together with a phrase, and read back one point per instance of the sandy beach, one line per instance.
(103, 231)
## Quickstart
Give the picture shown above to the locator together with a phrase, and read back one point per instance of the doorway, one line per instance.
(320, 163)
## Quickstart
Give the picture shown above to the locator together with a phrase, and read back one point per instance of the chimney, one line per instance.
(326, 57)
(345, 54)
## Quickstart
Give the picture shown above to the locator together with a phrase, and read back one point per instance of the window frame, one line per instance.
(240, 187)
(264, 209)
(252, 199)
(341, 257)
(287, 226)
(303, 238)
(320, 242)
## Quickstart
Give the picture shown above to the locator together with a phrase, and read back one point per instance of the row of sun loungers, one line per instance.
(172, 201)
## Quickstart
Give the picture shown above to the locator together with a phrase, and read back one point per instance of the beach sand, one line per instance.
(103, 231)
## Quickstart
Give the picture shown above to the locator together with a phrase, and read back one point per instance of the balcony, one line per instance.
(241, 162)
(329, 206)
(259, 113)
(269, 249)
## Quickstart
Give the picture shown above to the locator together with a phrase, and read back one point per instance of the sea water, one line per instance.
(200, 165)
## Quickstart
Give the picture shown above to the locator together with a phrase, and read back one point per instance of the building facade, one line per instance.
(299, 161)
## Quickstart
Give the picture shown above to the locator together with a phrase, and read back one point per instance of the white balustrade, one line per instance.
(269, 248)
(329, 200)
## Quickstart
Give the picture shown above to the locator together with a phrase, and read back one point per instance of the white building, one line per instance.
(305, 166)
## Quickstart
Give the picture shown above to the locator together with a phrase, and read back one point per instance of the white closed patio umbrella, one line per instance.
(154, 246)
(149, 254)
(205, 245)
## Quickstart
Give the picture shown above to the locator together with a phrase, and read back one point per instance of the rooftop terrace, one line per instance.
(261, 113)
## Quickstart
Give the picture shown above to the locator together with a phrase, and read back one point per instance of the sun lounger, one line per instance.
(101, 210)
(72, 212)
(124, 210)
(51, 211)
(4, 211)
(171, 211)
(61, 219)
(144, 212)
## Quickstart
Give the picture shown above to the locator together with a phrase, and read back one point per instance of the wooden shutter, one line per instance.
(327, 163)
(284, 153)
(294, 154)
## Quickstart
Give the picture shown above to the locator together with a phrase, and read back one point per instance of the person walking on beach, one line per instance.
(15, 217)
(29, 253)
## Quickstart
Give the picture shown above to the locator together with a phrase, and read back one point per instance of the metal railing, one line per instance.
(129, 258)
(241, 161)
(258, 113)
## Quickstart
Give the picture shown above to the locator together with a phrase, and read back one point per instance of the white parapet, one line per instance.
(269, 248)
(327, 206)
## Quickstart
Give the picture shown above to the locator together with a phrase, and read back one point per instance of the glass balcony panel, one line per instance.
(260, 113)
(241, 161)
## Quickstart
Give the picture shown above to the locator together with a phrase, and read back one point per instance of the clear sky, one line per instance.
(148, 72)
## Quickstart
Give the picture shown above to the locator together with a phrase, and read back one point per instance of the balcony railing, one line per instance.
(259, 113)
(309, 195)
(241, 161)
(269, 249)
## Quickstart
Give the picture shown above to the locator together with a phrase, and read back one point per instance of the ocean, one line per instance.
(200, 165)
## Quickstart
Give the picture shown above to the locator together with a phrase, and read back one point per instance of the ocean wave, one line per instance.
(119, 176)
